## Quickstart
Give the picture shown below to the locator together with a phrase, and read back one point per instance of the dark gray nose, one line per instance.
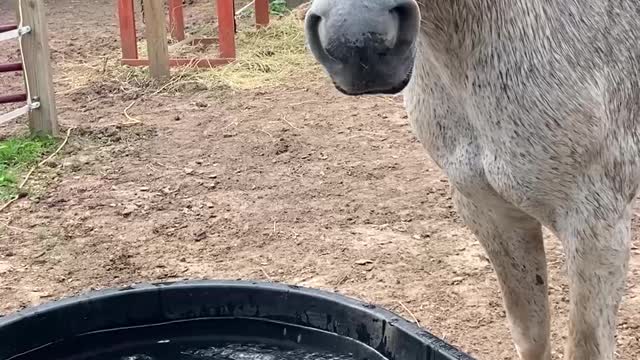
(367, 46)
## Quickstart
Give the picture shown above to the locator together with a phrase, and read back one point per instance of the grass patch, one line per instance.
(17, 155)
(278, 7)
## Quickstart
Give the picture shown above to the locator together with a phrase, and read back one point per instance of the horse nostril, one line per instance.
(313, 22)
(312, 31)
(407, 15)
(404, 10)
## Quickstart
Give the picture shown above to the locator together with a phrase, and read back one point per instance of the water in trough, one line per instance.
(233, 352)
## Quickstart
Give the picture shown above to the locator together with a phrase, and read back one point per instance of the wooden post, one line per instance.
(156, 34)
(128, 38)
(262, 13)
(176, 19)
(226, 28)
(37, 68)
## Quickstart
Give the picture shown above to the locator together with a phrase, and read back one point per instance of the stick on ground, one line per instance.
(410, 313)
(26, 178)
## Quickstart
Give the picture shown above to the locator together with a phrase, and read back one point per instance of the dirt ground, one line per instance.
(297, 184)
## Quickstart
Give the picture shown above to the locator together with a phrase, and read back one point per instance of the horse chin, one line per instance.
(391, 89)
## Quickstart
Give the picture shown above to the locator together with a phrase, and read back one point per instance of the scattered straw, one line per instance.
(415, 319)
(8, 203)
(131, 119)
(15, 228)
(271, 136)
(266, 58)
(266, 275)
(289, 122)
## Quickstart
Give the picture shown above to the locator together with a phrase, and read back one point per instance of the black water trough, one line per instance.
(167, 321)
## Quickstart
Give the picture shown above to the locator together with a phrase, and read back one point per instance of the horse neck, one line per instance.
(461, 25)
(454, 32)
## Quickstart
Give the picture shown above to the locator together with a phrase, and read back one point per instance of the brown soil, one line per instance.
(297, 184)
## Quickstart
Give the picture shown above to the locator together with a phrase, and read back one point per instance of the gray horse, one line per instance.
(532, 109)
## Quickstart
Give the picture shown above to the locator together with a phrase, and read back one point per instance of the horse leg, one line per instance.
(514, 244)
(597, 243)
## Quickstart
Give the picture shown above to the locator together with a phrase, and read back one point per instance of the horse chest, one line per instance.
(482, 151)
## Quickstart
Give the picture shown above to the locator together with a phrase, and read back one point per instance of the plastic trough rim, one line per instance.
(422, 335)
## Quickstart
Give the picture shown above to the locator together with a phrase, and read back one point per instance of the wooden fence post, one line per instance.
(262, 13)
(128, 39)
(176, 20)
(226, 28)
(37, 67)
(156, 34)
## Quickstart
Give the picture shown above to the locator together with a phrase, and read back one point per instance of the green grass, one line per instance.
(17, 155)
(278, 7)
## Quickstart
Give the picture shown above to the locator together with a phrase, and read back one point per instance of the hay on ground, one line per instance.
(266, 57)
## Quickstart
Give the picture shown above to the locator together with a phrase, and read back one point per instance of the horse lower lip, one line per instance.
(392, 89)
